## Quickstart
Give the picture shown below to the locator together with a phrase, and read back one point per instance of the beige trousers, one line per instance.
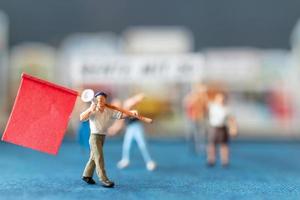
(96, 159)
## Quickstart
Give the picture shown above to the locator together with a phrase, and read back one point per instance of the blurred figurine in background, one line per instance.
(100, 119)
(134, 130)
(83, 134)
(83, 129)
(195, 106)
(221, 127)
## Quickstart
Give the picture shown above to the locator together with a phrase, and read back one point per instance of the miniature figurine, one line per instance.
(222, 126)
(195, 106)
(134, 130)
(100, 119)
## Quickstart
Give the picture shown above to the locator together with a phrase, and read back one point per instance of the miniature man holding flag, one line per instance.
(41, 125)
(100, 119)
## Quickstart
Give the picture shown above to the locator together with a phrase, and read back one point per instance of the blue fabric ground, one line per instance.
(258, 171)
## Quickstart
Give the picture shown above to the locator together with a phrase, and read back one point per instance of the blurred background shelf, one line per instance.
(164, 62)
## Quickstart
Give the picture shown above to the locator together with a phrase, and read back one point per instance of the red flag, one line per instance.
(40, 115)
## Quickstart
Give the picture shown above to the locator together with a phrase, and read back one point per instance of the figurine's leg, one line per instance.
(205, 133)
(97, 142)
(90, 167)
(127, 143)
(190, 134)
(211, 154)
(224, 154)
(197, 137)
(139, 136)
(124, 162)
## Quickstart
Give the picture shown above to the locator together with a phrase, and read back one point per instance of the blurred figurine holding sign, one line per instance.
(134, 130)
(222, 126)
(101, 116)
(195, 106)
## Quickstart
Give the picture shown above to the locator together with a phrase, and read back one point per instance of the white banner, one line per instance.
(233, 65)
(137, 69)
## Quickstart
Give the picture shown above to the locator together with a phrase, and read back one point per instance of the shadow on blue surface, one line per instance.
(258, 171)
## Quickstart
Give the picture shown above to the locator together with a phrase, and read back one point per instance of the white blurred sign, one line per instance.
(233, 65)
(137, 69)
(81, 45)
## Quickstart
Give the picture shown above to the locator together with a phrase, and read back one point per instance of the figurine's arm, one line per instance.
(134, 112)
(86, 114)
(132, 101)
(129, 113)
(116, 128)
(119, 124)
(232, 125)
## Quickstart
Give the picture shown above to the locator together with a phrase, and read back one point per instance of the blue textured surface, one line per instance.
(257, 171)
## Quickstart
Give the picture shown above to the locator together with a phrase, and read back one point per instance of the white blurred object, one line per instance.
(83, 46)
(151, 165)
(233, 65)
(123, 164)
(158, 39)
(218, 115)
(87, 95)
(138, 69)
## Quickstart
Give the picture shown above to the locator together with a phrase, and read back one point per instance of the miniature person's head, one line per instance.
(219, 98)
(101, 99)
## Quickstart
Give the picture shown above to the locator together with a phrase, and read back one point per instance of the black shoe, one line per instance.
(210, 164)
(107, 183)
(88, 180)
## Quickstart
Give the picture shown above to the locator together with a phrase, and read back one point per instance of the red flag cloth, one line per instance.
(40, 115)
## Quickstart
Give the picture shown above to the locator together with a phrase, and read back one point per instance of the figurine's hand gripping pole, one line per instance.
(142, 118)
